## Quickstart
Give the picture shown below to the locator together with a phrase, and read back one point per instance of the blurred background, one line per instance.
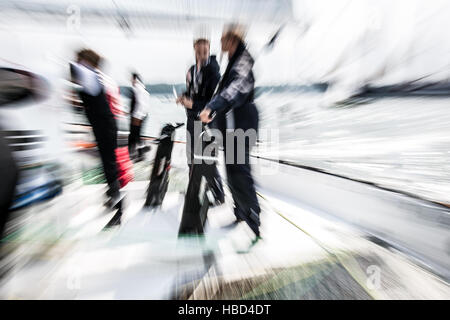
(355, 88)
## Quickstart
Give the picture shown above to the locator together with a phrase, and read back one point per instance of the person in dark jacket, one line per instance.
(201, 81)
(92, 93)
(234, 109)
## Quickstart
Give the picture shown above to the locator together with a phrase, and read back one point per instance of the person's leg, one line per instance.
(138, 140)
(190, 143)
(242, 188)
(244, 196)
(138, 132)
(212, 173)
(215, 184)
(191, 219)
(132, 139)
(107, 143)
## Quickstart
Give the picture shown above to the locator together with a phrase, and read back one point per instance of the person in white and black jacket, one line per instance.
(84, 72)
(138, 113)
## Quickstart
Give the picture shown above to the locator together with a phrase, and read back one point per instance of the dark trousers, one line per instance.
(105, 132)
(242, 186)
(191, 138)
(190, 143)
(9, 175)
(203, 175)
(134, 137)
(239, 176)
(205, 169)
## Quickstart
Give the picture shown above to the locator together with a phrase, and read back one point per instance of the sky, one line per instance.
(348, 43)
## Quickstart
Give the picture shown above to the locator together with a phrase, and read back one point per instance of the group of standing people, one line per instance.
(93, 92)
(224, 102)
(85, 72)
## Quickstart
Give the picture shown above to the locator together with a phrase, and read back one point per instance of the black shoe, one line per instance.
(114, 202)
(254, 222)
(115, 221)
(254, 227)
(251, 245)
(255, 241)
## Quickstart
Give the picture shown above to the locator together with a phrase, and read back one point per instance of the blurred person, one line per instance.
(138, 113)
(201, 81)
(124, 164)
(233, 108)
(85, 73)
(112, 93)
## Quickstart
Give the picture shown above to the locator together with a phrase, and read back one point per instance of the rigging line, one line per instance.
(334, 256)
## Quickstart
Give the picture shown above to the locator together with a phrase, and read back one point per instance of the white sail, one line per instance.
(351, 44)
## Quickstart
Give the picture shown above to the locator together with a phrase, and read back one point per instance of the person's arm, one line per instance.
(188, 84)
(184, 98)
(238, 90)
(86, 78)
(132, 102)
